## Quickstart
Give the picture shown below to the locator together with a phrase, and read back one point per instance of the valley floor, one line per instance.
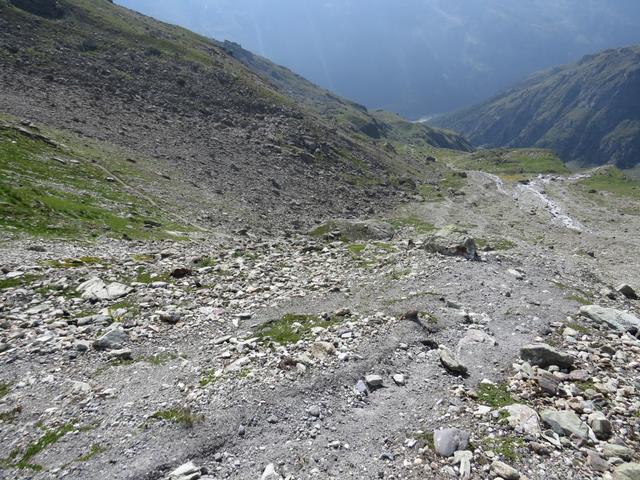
(248, 355)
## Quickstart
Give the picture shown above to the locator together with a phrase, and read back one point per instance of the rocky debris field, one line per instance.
(407, 355)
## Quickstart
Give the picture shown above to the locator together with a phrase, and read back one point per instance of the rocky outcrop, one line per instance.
(42, 8)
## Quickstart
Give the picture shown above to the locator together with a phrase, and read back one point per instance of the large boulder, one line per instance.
(543, 356)
(453, 241)
(522, 418)
(42, 8)
(617, 319)
(354, 230)
(565, 422)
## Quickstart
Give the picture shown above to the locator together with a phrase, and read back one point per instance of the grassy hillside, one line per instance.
(588, 112)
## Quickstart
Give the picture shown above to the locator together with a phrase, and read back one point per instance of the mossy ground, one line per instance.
(495, 396)
(292, 327)
(58, 191)
(181, 416)
(512, 164)
(22, 458)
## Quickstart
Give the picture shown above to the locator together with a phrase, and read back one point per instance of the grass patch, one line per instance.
(386, 247)
(181, 416)
(578, 328)
(4, 389)
(513, 164)
(507, 447)
(10, 415)
(413, 221)
(426, 438)
(291, 328)
(502, 244)
(74, 262)
(18, 281)
(93, 451)
(52, 191)
(208, 378)
(614, 181)
(578, 298)
(206, 262)
(143, 276)
(356, 248)
(49, 438)
(495, 396)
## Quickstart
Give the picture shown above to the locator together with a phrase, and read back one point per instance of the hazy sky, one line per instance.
(416, 57)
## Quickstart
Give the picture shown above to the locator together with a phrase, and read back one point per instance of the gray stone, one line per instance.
(617, 319)
(373, 381)
(450, 362)
(447, 441)
(188, 471)
(544, 356)
(611, 450)
(596, 462)
(565, 422)
(627, 291)
(96, 289)
(169, 317)
(502, 470)
(522, 418)
(270, 473)
(627, 471)
(314, 411)
(399, 379)
(601, 427)
(114, 339)
(463, 457)
(360, 387)
(451, 240)
(122, 354)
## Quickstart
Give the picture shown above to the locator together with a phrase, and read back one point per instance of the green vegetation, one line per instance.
(93, 451)
(356, 248)
(495, 396)
(496, 245)
(182, 416)
(613, 181)
(426, 438)
(4, 389)
(18, 281)
(143, 276)
(25, 456)
(507, 447)
(413, 221)
(10, 415)
(208, 378)
(577, 298)
(206, 262)
(512, 164)
(47, 190)
(398, 274)
(291, 328)
(578, 327)
(75, 262)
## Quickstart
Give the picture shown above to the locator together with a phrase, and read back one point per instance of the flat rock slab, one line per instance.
(565, 422)
(543, 356)
(96, 289)
(617, 319)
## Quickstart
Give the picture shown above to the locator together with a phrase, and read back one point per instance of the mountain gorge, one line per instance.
(226, 135)
(588, 112)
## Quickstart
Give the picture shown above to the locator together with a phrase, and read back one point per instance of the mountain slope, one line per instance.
(588, 112)
(239, 150)
(377, 125)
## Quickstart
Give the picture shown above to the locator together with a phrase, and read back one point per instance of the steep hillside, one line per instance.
(588, 112)
(238, 147)
(377, 125)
